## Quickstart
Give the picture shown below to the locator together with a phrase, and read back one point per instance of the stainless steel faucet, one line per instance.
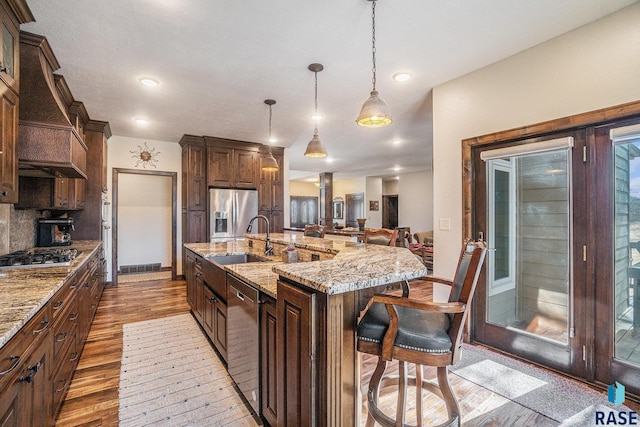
(268, 249)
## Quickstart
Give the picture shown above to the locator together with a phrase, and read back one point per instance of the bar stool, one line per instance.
(422, 332)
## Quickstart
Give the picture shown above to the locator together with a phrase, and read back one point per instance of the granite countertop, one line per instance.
(26, 290)
(355, 266)
(257, 274)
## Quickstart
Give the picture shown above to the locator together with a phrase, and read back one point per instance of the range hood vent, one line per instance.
(49, 145)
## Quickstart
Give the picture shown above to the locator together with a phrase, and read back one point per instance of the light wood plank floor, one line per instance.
(93, 396)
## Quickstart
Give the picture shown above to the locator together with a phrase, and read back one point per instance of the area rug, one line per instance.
(566, 401)
(171, 376)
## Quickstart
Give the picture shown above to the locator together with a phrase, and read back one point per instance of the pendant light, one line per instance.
(315, 148)
(374, 112)
(269, 163)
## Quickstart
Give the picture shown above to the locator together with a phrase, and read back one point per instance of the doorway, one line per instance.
(390, 212)
(149, 226)
(561, 215)
(354, 206)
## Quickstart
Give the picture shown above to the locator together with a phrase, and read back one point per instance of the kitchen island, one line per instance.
(317, 308)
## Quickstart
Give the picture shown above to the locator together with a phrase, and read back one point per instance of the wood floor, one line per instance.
(93, 396)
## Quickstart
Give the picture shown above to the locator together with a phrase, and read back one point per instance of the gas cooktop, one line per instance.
(50, 257)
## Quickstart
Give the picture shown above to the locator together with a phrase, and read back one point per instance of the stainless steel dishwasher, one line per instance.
(243, 339)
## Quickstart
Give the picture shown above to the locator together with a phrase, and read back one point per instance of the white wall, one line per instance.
(415, 201)
(303, 188)
(144, 228)
(169, 159)
(373, 193)
(592, 67)
(390, 188)
(349, 186)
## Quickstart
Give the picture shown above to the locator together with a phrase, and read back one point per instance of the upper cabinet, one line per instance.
(12, 14)
(231, 164)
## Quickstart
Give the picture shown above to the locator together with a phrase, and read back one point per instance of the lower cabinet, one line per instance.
(268, 360)
(296, 355)
(37, 364)
(206, 295)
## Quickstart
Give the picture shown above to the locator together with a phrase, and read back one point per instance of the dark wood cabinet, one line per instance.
(8, 146)
(88, 218)
(231, 164)
(296, 355)
(12, 14)
(225, 163)
(268, 360)
(206, 295)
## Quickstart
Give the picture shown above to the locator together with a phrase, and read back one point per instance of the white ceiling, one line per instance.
(218, 60)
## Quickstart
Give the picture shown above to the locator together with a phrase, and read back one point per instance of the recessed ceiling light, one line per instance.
(147, 81)
(329, 160)
(402, 76)
(142, 121)
(316, 117)
(272, 140)
(397, 141)
(396, 168)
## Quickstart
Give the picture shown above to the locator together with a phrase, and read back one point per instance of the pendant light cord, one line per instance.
(373, 41)
(269, 141)
(316, 102)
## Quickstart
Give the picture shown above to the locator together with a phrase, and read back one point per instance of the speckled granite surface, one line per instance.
(353, 267)
(27, 290)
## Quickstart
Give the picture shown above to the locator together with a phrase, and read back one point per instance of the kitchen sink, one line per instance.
(234, 259)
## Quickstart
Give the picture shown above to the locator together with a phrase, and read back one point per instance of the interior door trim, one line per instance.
(114, 218)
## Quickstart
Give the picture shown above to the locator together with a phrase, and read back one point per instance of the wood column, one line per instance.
(326, 200)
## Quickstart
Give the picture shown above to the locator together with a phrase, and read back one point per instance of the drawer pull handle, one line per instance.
(26, 379)
(57, 305)
(73, 317)
(74, 285)
(35, 368)
(64, 384)
(44, 325)
(16, 360)
(213, 299)
(63, 336)
(240, 295)
(75, 357)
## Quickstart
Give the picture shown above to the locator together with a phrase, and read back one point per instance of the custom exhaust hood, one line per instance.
(49, 145)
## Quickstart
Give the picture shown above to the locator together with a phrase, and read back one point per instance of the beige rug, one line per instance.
(171, 376)
(143, 277)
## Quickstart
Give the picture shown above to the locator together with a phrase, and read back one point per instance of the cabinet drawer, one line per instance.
(61, 379)
(62, 298)
(64, 330)
(12, 355)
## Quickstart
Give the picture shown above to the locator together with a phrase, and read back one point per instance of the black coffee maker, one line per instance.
(54, 231)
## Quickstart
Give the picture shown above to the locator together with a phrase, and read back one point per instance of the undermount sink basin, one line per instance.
(234, 259)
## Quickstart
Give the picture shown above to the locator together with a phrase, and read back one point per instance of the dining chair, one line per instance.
(380, 236)
(314, 230)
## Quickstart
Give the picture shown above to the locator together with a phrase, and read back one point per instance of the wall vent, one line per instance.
(142, 268)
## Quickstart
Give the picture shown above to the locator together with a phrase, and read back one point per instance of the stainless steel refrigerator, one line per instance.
(230, 212)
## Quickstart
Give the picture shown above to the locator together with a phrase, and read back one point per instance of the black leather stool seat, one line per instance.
(418, 330)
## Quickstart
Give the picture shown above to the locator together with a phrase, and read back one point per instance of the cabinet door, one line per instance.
(277, 221)
(220, 331)
(8, 146)
(219, 166)
(189, 277)
(11, 404)
(10, 42)
(295, 355)
(61, 190)
(245, 164)
(269, 368)
(208, 313)
(194, 177)
(78, 186)
(37, 385)
(198, 288)
(196, 227)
